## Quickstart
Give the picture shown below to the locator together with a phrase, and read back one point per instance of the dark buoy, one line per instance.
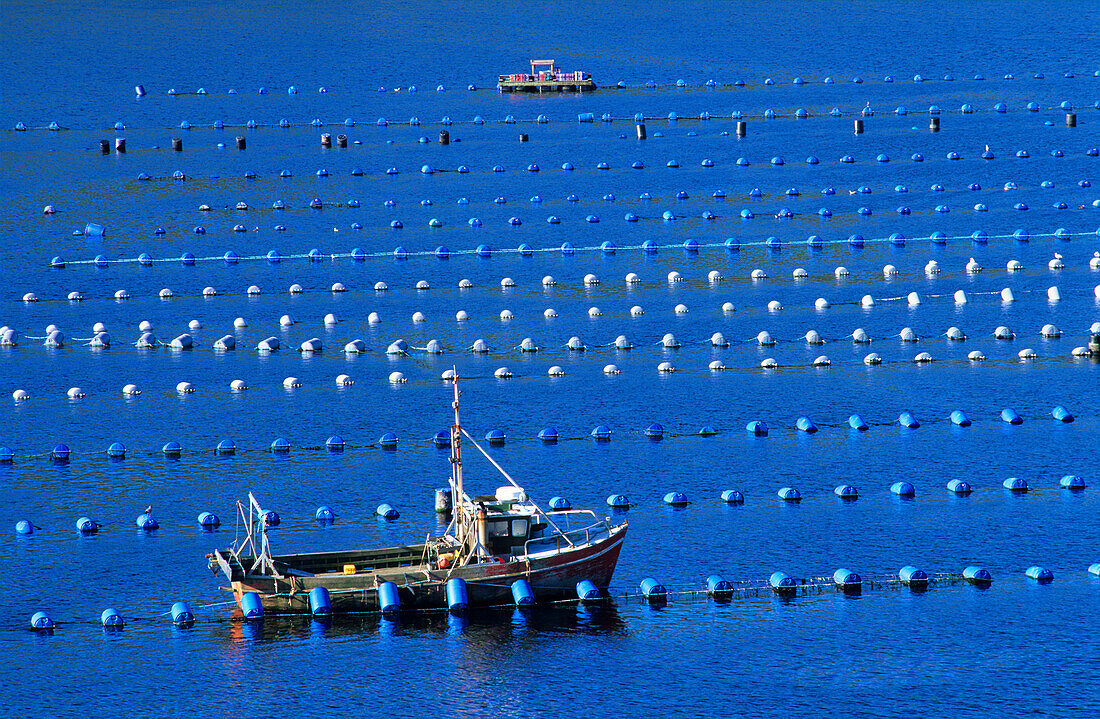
(934, 124)
(1071, 119)
(105, 146)
(742, 128)
(177, 144)
(326, 139)
(120, 145)
(444, 137)
(640, 130)
(523, 137)
(858, 127)
(241, 143)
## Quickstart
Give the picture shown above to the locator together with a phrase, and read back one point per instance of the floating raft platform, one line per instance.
(547, 79)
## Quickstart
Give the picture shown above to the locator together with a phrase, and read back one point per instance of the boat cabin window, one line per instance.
(498, 528)
(509, 527)
(519, 527)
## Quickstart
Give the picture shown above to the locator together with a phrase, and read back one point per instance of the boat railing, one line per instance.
(591, 532)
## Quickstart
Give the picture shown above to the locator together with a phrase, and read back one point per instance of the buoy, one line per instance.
(320, 603)
(667, 367)
(764, 339)
(846, 491)
(1071, 482)
(783, 584)
(131, 390)
(774, 306)
(1040, 574)
(676, 499)
(1016, 484)
(789, 494)
(209, 521)
(41, 622)
(732, 496)
(181, 615)
(958, 486)
(912, 577)
(587, 591)
(653, 591)
(226, 446)
(146, 522)
(903, 489)
(908, 420)
(1061, 414)
(1003, 333)
(856, 422)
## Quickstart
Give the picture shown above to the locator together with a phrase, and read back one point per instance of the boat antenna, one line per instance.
(456, 464)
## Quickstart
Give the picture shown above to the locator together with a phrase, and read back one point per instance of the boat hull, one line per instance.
(552, 576)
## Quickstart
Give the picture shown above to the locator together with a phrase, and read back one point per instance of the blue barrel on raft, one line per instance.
(549, 435)
(846, 491)
(85, 525)
(387, 512)
(587, 591)
(41, 621)
(1041, 575)
(978, 576)
(903, 489)
(959, 487)
(111, 619)
(912, 577)
(1016, 484)
(782, 584)
(652, 590)
(718, 587)
(522, 593)
(789, 494)
(732, 496)
(320, 603)
(618, 501)
(251, 606)
(172, 449)
(847, 581)
(1072, 482)
(324, 514)
(457, 598)
(389, 600)
(676, 499)
(181, 615)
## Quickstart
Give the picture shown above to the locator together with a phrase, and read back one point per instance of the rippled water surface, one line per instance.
(1015, 648)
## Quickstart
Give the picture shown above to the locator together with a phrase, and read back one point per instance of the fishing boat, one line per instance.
(546, 76)
(499, 548)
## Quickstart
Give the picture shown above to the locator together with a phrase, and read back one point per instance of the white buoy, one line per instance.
(769, 363)
(423, 285)
(286, 321)
(465, 284)
(1094, 261)
(1080, 352)
(666, 367)
(240, 323)
(344, 380)
(166, 294)
(462, 316)
(622, 343)
(418, 317)
(714, 276)
(355, 347)
(330, 319)
(716, 366)
(972, 266)
(502, 373)
(209, 292)
(32, 297)
(680, 309)
(841, 272)
(594, 312)
(253, 290)
(821, 303)
(669, 341)
(632, 278)
(194, 325)
(556, 371)
(636, 311)
(185, 388)
(719, 340)
(374, 318)
(1050, 331)
(313, 344)
(1096, 292)
(908, 335)
(913, 298)
(922, 357)
(591, 279)
(675, 276)
(799, 273)
(975, 356)
(774, 306)
(549, 281)
(955, 334)
(960, 297)
(1056, 263)
(75, 393)
(507, 282)
(860, 336)
(1007, 296)
(143, 326)
(872, 359)
(611, 369)
(1026, 354)
(1094, 328)
(397, 378)
(479, 346)
(76, 296)
(1053, 295)
(550, 313)
(728, 307)
(339, 287)
(1014, 266)
(822, 361)
(51, 328)
(292, 382)
(96, 328)
(120, 295)
(381, 287)
(506, 315)
(932, 267)
(764, 339)
(448, 375)
(20, 395)
(131, 390)
(813, 337)
(757, 274)
(238, 385)
(867, 301)
(889, 271)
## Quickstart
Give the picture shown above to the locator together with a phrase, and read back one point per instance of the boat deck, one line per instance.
(542, 86)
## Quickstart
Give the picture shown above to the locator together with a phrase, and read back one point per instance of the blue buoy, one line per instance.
(522, 593)
(209, 521)
(1040, 574)
(117, 450)
(912, 577)
(111, 619)
(1011, 416)
(907, 419)
(805, 424)
(587, 591)
(601, 433)
(495, 437)
(1061, 414)
(335, 443)
(958, 417)
(320, 603)
(324, 514)
(652, 590)
(846, 491)
(707, 431)
(172, 449)
(789, 494)
(718, 587)
(389, 600)
(958, 486)
(252, 607)
(280, 445)
(87, 526)
(24, 526)
(847, 581)
(41, 622)
(270, 518)
(549, 435)
(856, 422)
(1016, 484)
(1071, 482)
(60, 453)
(147, 522)
(560, 504)
(978, 576)
(676, 499)
(655, 431)
(226, 446)
(181, 615)
(757, 428)
(457, 599)
(388, 441)
(732, 496)
(783, 584)
(387, 512)
(618, 501)
(903, 489)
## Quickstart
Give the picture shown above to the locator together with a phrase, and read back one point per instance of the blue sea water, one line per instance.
(1016, 648)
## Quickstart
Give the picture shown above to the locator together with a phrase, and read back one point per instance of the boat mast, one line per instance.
(456, 469)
